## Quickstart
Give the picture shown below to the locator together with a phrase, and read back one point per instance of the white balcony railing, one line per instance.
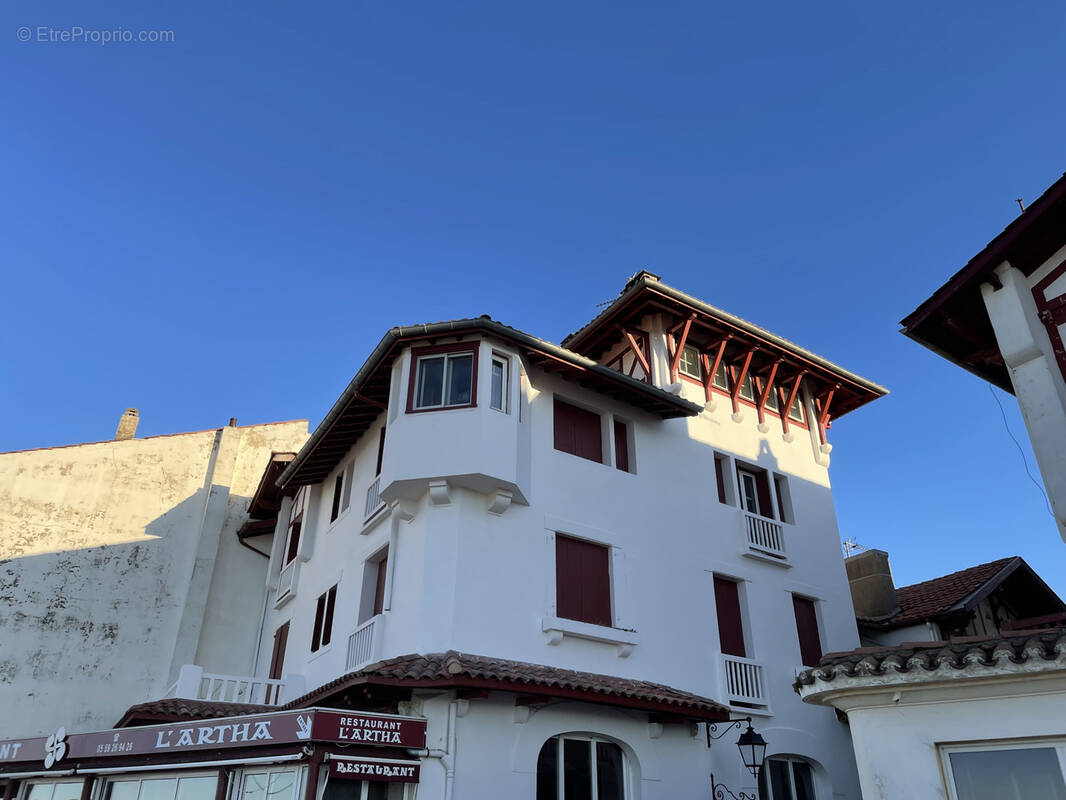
(373, 499)
(195, 684)
(764, 535)
(361, 644)
(285, 580)
(743, 681)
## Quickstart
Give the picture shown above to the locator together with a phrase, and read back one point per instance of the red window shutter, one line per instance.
(719, 475)
(277, 658)
(379, 588)
(582, 581)
(577, 431)
(807, 628)
(762, 486)
(621, 446)
(730, 625)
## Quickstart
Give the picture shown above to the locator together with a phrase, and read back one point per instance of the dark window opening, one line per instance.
(323, 628)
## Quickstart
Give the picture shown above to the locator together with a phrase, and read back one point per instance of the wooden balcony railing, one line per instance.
(765, 536)
(743, 681)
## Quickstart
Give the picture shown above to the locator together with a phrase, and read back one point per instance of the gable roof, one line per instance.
(957, 593)
(365, 397)
(953, 322)
(463, 670)
(645, 293)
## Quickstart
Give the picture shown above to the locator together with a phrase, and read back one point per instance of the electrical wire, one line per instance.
(1021, 452)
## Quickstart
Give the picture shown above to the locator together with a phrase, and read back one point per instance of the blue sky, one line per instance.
(225, 224)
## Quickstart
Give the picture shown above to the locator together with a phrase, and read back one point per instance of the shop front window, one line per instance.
(363, 790)
(269, 784)
(54, 791)
(172, 787)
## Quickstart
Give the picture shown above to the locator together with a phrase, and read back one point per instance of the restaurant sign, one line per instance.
(282, 727)
(373, 769)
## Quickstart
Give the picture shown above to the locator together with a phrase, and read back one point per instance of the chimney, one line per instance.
(127, 425)
(872, 590)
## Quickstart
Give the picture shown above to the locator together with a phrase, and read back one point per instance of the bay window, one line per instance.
(443, 377)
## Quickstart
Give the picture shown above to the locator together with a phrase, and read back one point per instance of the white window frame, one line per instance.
(1058, 745)
(237, 787)
(723, 373)
(627, 780)
(748, 385)
(741, 494)
(444, 379)
(769, 794)
(505, 363)
(24, 789)
(797, 405)
(100, 790)
(297, 514)
(681, 363)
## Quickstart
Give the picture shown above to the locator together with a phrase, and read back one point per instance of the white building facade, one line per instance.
(572, 563)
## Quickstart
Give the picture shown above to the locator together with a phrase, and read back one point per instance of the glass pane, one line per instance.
(67, 791)
(751, 498)
(548, 771)
(116, 790)
(346, 495)
(796, 410)
(158, 789)
(690, 362)
(254, 786)
(343, 790)
(720, 378)
(459, 375)
(497, 385)
(577, 769)
(43, 791)
(385, 791)
(779, 784)
(281, 784)
(746, 389)
(771, 400)
(201, 787)
(430, 382)
(802, 781)
(1008, 774)
(609, 781)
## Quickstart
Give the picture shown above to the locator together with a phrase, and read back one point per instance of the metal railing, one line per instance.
(743, 680)
(361, 644)
(373, 499)
(195, 684)
(764, 535)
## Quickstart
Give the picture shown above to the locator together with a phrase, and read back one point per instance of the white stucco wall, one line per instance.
(480, 583)
(119, 562)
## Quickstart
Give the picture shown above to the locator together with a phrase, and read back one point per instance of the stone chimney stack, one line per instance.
(127, 425)
(873, 591)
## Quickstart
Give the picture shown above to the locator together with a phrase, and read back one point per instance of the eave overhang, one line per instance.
(953, 322)
(646, 294)
(368, 392)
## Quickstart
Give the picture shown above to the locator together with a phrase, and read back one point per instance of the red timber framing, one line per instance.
(821, 406)
(638, 353)
(767, 388)
(638, 357)
(721, 339)
(1052, 313)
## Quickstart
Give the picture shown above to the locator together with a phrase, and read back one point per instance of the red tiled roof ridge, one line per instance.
(173, 709)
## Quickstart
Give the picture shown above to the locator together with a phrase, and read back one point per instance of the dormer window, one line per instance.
(443, 377)
(689, 365)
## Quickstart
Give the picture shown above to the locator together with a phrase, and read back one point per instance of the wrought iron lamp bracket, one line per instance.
(712, 728)
(719, 791)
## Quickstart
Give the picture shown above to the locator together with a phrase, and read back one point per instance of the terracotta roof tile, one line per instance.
(933, 598)
(462, 668)
(176, 709)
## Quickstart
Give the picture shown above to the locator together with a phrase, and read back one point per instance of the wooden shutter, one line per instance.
(379, 587)
(316, 633)
(719, 475)
(762, 486)
(730, 625)
(277, 658)
(621, 446)
(294, 540)
(327, 620)
(577, 431)
(807, 628)
(338, 487)
(381, 449)
(582, 580)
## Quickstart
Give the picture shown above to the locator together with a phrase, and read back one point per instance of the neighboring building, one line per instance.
(966, 684)
(986, 600)
(119, 563)
(542, 568)
(1003, 318)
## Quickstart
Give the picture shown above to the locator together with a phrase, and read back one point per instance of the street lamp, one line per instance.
(752, 749)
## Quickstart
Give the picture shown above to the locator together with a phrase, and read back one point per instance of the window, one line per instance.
(346, 495)
(690, 363)
(772, 403)
(277, 657)
(443, 377)
(721, 378)
(722, 478)
(269, 784)
(56, 791)
(379, 584)
(621, 445)
(1006, 772)
(730, 622)
(338, 488)
(807, 631)
(577, 431)
(498, 389)
(580, 768)
(381, 451)
(786, 779)
(747, 388)
(323, 630)
(292, 539)
(784, 499)
(186, 787)
(755, 491)
(363, 790)
(582, 580)
(375, 578)
(795, 411)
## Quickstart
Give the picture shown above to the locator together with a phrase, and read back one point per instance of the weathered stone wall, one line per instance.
(99, 546)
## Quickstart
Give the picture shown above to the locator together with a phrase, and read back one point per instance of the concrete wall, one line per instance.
(119, 562)
(467, 579)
